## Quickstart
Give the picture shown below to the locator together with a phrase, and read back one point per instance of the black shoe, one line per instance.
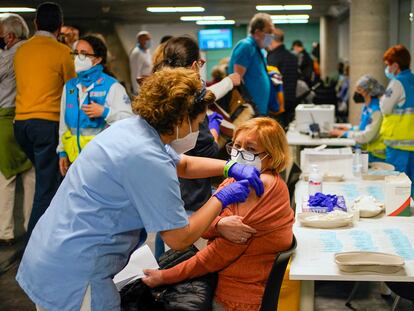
(7, 242)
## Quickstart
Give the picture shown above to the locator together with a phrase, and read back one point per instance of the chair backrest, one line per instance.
(274, 282)
(294, 176)
(402, 289)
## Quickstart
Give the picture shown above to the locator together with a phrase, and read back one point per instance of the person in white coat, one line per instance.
(140, 61)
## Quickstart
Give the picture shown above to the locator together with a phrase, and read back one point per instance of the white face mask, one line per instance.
(83, 65)
(182, 145)
(257, 162)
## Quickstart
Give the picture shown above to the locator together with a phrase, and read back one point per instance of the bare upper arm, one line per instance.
(240, 70)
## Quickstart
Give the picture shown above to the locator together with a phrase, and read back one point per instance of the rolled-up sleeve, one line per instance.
(221, 88)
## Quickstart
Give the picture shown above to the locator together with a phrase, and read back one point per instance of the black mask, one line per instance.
(2, 43)
(358, 98)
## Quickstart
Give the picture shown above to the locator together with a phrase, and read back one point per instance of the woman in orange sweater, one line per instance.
(243, 267)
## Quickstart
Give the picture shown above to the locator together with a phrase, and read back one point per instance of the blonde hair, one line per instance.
(158, 55)
(170, 95)
(272, 137)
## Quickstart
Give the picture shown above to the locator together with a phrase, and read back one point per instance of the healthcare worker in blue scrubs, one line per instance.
(122, 185)
(397, 106)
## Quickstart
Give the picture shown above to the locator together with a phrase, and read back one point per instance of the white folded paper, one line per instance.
(141, 259)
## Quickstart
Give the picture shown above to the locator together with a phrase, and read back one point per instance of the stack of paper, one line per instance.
(141, 259)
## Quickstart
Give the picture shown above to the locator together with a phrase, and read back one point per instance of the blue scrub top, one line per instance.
(123, 184)
(367, 111)
(246, 53)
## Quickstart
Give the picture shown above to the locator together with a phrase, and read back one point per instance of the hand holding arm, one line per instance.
(233, 229)
(235, 78)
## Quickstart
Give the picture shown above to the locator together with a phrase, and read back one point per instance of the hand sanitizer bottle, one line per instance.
(315, 180)
(357, 163)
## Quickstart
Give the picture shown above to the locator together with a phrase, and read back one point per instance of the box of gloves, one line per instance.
(397, 195)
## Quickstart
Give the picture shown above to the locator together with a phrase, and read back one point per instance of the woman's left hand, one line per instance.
(153, 278)
(93, 110)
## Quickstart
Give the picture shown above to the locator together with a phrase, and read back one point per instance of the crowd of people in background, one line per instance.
(57, 94)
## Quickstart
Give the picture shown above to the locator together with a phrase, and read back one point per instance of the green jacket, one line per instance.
(12, 158)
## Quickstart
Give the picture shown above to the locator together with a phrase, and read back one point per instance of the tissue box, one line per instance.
(397, 195)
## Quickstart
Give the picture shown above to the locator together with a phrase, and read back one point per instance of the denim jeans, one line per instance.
(39, 139)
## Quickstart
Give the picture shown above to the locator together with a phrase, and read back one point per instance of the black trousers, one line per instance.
(39, 139)
(286, 117)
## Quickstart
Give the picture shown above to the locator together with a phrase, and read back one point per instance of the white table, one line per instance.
(314, 257)
(296, 138)
(297, 141)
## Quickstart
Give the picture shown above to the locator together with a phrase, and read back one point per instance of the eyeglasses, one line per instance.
(82, 56)
(246, 155)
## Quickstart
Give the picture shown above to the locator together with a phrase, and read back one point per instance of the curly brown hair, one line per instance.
(169, 96)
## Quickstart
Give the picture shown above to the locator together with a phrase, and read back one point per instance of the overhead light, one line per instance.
(290, 21)
(175, 9)
(16, 10)
(201, 18)
(270, 7)
(225, 22)
(304, 7)
(290, 16)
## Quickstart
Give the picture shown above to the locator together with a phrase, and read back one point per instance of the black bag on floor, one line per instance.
(191, 295)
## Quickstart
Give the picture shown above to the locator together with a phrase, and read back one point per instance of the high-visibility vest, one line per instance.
(397, 128)
(376, 147)
(82, 129)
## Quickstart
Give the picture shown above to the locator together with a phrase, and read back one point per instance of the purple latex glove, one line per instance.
(330, 201)
(233, 193)
(214, 121)
(240, 171)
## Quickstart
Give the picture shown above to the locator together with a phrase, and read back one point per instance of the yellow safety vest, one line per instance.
(376, 147)
(70, 144)
(397, 128)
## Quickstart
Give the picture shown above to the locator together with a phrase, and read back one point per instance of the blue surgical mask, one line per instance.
(389, 74)
(267, 40)
(148, 44)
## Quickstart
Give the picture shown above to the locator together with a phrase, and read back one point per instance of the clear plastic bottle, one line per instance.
(357, 163)
(315, 180)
